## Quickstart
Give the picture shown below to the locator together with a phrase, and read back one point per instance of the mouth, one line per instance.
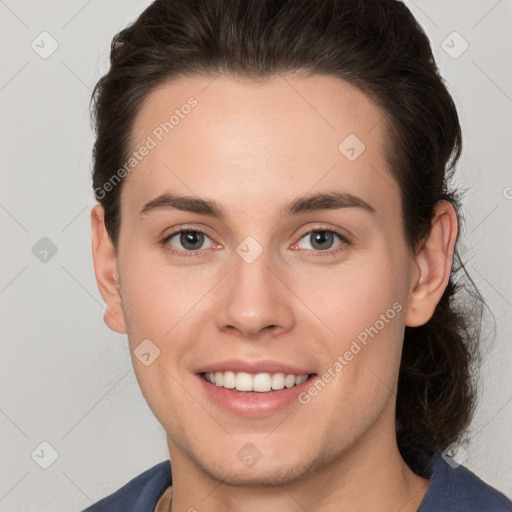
(248, 383)
(253, 389)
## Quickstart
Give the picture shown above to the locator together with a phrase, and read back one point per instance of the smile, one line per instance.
(260, 382)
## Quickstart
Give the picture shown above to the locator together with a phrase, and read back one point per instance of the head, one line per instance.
(271, 126)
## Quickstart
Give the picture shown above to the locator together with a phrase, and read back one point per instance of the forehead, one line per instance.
(259, 141)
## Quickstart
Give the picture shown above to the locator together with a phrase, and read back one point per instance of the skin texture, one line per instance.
(254, 149)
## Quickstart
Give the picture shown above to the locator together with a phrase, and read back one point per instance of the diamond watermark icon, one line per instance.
(352, 147)
(146, 352)
(249, 249)
(44, 250)
(249, 455)
(454, 45)
(454, 455)
(44, 45)
(44, 455)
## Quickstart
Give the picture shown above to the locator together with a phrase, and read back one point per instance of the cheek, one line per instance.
(362, 307)
(156, 297)
(353, 296)
(160, 317)
(164, 312)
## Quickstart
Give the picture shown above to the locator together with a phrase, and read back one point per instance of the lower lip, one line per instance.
(252, 404)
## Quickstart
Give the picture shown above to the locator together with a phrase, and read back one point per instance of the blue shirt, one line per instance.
(451, 489)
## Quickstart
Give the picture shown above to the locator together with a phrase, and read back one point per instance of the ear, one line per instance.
(432, 266)
(105, 269)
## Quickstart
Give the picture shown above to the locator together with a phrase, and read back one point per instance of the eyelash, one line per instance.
(185, 254)
(320, 229)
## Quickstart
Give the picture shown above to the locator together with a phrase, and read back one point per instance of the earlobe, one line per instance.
(432, 266)
(106, 272)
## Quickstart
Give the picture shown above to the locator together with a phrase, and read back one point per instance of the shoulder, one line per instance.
(140, 493)
(454, 488)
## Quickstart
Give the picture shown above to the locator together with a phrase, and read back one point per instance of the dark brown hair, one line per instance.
(375, 45)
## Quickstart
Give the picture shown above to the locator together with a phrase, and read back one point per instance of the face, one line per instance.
(277, 285)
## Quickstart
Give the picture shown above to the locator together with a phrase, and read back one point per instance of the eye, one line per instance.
(322, 240)
(190, 240)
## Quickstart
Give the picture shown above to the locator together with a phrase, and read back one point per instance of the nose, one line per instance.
(256, 297)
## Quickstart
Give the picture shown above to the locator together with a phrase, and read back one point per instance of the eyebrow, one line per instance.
(310, 203)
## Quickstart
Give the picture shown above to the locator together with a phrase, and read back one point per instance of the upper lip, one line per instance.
(263, 366)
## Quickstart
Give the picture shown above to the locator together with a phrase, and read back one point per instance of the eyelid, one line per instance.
(330, 229)
(345, 239)
(185, 227)
(179, 252)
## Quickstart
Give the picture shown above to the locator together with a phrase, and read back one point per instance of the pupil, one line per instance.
(320, 237)
(191, 238)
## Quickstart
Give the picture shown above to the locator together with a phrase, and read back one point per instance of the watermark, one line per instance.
(44, 455)
(44, 45)
(249, 455)
(44, 250)
(150, 143)
(146, 352)
(352, 147)
(249, 249)
(355, 348)
(454, 45)
(454, 455)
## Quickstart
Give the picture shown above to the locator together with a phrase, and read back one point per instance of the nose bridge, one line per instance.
(254, 298)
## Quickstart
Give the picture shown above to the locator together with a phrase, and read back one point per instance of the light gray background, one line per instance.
(65, 378)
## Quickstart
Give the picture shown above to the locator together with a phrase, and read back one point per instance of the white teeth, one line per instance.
(302, 379)
(243, 382)
(229, 380)
(278, 381)
(260, 382)
(289, 381)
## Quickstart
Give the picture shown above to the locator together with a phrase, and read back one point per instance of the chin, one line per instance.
(266, 471)
(273, 474)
